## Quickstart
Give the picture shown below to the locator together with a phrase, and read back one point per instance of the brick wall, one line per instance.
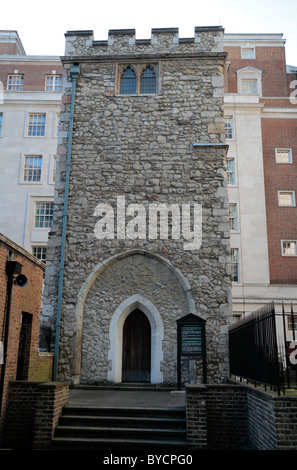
(271, 60)
(240, 417)
(196, 416)
(23, 300)
(281, 221)
(272, 420)
(32, 413)
(34, 74)
(224, 424)
(261, 423)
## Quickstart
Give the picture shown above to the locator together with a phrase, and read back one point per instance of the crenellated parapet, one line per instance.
(206, 40)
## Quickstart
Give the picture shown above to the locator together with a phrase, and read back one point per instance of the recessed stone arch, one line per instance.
(122, 311)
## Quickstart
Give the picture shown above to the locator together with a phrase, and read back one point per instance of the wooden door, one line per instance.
(136, 362)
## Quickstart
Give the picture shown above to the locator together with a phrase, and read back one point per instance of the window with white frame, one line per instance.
(283, 155)
(248, 53)
(234, 265)
(292, 322)
(236, 317)
(289, 247)
(233, 217)
(53, 82)
(1, 123)
(249, 86)
(249, 81)
(44, 212)
(15, 82)
(39, 252)
(286, 198)
(229, 127)
(32, 168)
(36, 125)
(230, 169)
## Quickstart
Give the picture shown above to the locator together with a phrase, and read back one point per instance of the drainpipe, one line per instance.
(74, 72)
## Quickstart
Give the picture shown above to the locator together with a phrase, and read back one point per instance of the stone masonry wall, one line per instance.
(162, 148)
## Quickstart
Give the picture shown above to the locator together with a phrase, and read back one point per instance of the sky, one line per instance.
(42, 27)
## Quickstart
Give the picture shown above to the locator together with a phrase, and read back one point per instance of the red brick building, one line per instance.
(21, 282)
(261, 113)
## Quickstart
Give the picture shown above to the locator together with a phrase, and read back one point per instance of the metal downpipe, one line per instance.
(74, 72)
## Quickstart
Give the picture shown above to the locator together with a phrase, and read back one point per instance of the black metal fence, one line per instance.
(262, 348)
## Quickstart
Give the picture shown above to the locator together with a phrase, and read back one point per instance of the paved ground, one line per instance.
(126, 398)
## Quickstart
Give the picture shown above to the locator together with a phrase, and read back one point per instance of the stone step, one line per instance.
(135, 428)
(117, 421)
(118, 432)
(112, 445)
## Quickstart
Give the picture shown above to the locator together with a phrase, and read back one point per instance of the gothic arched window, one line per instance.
(148, 81)
(128, 82)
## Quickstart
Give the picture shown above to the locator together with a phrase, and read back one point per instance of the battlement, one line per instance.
(206, 39)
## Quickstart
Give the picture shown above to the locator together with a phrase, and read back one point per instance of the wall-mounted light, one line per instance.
(21, 280)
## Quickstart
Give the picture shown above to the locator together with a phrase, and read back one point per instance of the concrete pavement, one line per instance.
(138, 397)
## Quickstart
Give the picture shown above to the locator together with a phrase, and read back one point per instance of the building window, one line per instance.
(286, 198)
(39, 252)
(249, 86)
(44, 212)
(148, 81)
(249, 81)
(236, 317)
(233, 217)
(15, 82)
(248, 53)
(292, 322)
(1, 123)
(283, 155)
(53, 83)
(289, 247)
(234, 265)
(137, 79)
(128, 82)
(32, 168)
(36, 125)
(229, 128)
(230, 171)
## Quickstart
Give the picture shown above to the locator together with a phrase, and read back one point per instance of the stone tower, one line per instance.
(141, 232)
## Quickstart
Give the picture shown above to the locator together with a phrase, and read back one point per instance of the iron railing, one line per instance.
(262, 348)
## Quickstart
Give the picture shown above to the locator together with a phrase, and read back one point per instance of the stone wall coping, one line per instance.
(53, 385)
(28, 384)
(196, 387)
(153, 56)
(85, 32)
(269, 394)
(90, 32)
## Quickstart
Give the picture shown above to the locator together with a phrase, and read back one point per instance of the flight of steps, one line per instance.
(138, 429)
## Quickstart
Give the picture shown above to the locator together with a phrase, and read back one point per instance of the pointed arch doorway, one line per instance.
(136, 354)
